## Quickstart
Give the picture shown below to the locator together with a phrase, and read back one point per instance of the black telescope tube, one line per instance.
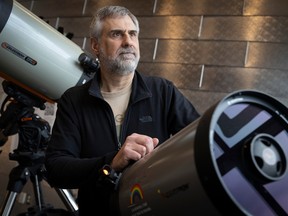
(5, 11)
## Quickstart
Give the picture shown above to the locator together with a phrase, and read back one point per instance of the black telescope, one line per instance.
(231, 161)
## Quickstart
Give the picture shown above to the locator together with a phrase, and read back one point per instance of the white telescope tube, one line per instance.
(36, 56)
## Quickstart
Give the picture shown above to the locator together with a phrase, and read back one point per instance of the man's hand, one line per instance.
(134, 148)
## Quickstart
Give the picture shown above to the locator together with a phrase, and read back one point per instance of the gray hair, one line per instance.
(109, 12)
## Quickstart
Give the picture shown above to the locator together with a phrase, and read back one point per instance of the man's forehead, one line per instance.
(119, 23)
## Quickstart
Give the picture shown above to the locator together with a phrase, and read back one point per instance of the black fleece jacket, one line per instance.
(84, 133)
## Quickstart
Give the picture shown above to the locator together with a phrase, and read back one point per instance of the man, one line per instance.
(117, 118)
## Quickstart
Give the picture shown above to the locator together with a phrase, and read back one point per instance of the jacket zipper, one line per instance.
(120, 141)
(113, 124)
(119, 145)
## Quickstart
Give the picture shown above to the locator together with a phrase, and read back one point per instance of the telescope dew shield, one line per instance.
(231, 161)
(36, 56)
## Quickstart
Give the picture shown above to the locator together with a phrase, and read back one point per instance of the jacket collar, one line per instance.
(139, 87)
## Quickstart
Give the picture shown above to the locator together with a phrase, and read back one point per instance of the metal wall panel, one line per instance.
(199, 7)
(55, 8)
(147, 49)
(173, 27)
(202, 100)
(170, 40)
(79, 26)
(266, 7)
(150, 27)
(227, 79)
(268, 55)
(80, 43)
(267, 28)
(139, 7)
(201, 52)
(183, 76)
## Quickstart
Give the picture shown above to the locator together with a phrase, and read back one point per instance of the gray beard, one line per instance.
(122, 67)
(119, 65)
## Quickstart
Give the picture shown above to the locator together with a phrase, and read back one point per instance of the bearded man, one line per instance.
(113, 120)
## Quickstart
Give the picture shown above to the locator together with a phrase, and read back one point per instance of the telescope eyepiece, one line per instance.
(89, 64)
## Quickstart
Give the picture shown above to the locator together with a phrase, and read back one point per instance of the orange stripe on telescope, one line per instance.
(136, 194)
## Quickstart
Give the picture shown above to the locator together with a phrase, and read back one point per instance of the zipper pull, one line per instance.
(119, 145)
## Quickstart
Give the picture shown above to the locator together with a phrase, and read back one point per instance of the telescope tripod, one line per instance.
(31, 167)
(34, 135)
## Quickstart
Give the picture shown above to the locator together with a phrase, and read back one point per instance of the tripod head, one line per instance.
(17, 116)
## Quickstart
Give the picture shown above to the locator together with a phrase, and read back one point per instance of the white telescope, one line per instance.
(36, 56)
(37, 64)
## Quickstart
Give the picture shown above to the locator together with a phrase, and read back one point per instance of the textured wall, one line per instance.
(208, 48)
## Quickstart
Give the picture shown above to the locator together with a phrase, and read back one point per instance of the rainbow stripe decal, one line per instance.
(136, 194)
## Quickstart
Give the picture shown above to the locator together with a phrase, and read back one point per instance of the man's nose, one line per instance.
(127, 40)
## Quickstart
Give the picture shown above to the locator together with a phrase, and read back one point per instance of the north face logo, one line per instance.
(145, 119)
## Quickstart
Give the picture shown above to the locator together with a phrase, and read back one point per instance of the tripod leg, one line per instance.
(67, 199)
(9, 202)
(17, 179)
(37, 191)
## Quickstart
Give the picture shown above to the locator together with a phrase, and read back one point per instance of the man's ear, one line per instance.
(94, 45)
